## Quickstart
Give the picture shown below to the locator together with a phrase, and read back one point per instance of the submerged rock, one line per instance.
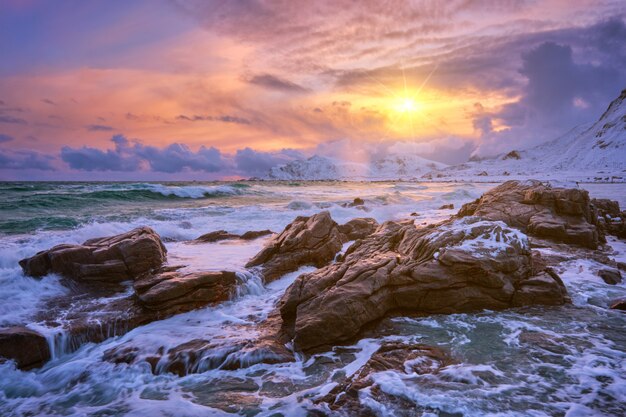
(405, 358)
(224, 235)
(26, 347)
(610, 276)
(311, 240)
(618, 305)
(456, 266)
(560, 214)
(116, 258)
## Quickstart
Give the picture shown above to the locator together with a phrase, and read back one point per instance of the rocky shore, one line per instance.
(484, 257)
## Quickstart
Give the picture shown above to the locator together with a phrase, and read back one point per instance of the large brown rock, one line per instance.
(26, 347)
(170, 291)
(116, 258)
(560, 214)
(459, 265)
(311, 240)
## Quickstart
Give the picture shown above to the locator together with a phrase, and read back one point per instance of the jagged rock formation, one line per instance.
(456, 266)
(311, 240)
(560, 214)
(113, 259)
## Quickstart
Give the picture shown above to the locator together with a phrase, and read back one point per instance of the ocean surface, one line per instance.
(566, 361)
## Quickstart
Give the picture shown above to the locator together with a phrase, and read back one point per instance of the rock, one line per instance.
(482, 174)
(618, 305)
(215, 236)
(255, 234)
(311, 240)
(355, 203)
(116, 258)
(169, 291)
(358, 228)
(558, 214)
(610, 276)
(512, 155)
(459, 265)
(400, 357)
(414, 214)
(611, 220)
(447, 207)
(224, 235)
(26, 347)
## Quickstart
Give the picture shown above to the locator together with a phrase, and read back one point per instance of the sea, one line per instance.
(535, 361)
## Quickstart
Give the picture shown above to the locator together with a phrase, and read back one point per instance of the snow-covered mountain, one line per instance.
(588, 152)
(388, 167)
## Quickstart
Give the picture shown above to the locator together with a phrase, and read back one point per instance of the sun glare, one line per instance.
(406, 105)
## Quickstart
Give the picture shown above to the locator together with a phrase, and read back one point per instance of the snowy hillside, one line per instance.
(389, 167)
(592, 152)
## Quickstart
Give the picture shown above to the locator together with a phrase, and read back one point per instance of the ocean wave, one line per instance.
(187, 191)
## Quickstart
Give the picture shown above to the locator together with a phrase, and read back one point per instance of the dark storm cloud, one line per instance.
(273, 82)
(99, 128)
(25, 159)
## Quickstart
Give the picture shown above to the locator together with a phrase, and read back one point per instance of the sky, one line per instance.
(224, 89)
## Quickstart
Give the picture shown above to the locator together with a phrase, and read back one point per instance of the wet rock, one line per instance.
(116, 258)
(26, 347)
(456, 266)
(219, 235)
(358, 228)
(447, 207)
(618, 304)
(610, 276)
(559, 214)
(482, 174)
(611, 220)
(215, 236)
(170, 291)
(400, 357)
(311, 240)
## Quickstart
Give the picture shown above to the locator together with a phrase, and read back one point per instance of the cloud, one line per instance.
(561, 92)
(178, 157)
(99, 128)
(12, 120)
(225, 119)
(273, 82)
(255, 163)
(121, 158)
(127, 156)
(25, 159)
(5, 138)
(48, 101)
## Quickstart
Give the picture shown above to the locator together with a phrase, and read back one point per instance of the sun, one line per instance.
(406, 105)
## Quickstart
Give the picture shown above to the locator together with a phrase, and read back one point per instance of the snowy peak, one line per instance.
(388, 167)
